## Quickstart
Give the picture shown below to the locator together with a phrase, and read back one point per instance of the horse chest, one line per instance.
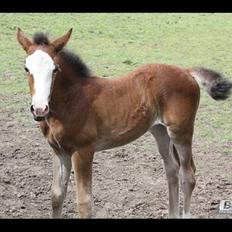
(67, 140)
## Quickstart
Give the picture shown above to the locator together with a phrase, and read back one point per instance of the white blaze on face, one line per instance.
(41, 66)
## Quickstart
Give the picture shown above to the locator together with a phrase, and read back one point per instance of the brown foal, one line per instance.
(80, 114)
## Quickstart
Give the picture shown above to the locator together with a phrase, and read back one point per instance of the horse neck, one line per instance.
(64, 88)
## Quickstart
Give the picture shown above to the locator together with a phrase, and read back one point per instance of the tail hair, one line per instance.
(214, 82)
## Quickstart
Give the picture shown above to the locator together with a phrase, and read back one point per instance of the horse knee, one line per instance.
(188, 178)
(85, 206)
(173, 180)
(84, 201)
(172, 175)
(57, 199)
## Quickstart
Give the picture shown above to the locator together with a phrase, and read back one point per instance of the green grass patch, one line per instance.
(116, 43)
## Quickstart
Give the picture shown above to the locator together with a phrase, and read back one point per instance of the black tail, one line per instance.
(216, 85)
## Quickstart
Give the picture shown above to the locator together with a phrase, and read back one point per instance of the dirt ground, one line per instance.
(128, 182)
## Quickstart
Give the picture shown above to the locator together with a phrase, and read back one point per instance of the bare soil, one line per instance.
(128, 182)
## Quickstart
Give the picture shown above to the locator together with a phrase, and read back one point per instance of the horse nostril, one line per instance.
(46, 108)
(32, 108)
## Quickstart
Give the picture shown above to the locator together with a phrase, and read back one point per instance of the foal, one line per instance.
(80, 114)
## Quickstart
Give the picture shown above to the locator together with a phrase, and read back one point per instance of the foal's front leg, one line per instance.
(82, 165)
(61, 173)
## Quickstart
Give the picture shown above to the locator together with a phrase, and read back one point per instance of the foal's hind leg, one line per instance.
(182, 140)
(193, 165)
(61, 173)
(82, 164)
(171, 164)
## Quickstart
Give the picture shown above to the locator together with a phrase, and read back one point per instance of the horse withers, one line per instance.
(80, 113)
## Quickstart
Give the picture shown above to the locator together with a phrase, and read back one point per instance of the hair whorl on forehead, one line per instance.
(40, 38)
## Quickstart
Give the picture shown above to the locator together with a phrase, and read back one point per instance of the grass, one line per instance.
(116, 43)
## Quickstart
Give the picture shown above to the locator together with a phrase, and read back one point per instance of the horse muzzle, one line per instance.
(39, 114)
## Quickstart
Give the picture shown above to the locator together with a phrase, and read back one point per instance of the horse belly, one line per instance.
(106, 143)
(119, 137)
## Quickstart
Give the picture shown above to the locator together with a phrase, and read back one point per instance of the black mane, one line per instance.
(68, 57)
(75, 62)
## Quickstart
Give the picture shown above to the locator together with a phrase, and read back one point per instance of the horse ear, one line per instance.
(23, 40)
(62, 41)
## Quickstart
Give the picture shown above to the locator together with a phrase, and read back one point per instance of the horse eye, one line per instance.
(56, 69)
(26, 69)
